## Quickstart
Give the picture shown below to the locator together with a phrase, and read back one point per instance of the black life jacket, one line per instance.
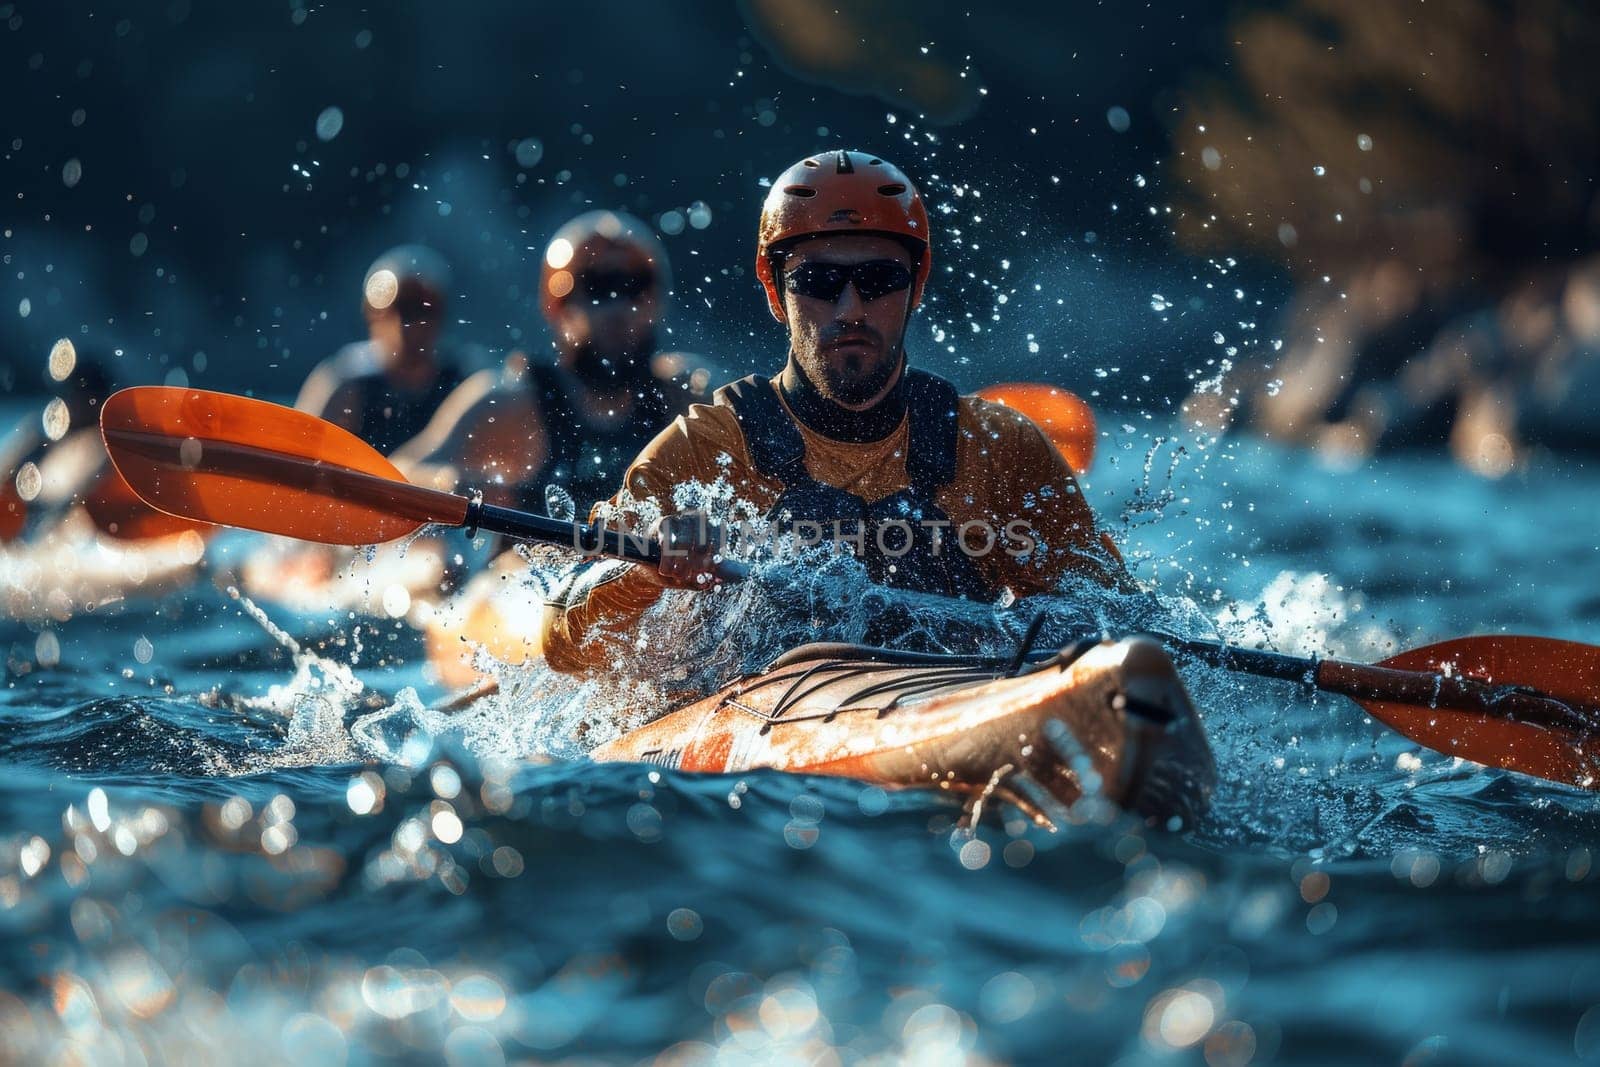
(588, 461)
(389, 417)
(891, 536)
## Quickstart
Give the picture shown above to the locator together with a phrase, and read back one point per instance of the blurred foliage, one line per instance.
(876, 46)
(1427, 172)
(1459, 138)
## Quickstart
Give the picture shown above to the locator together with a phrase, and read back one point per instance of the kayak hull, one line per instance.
(1114, 721)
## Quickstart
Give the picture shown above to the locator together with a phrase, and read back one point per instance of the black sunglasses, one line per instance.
(873, 279)
(604, 285)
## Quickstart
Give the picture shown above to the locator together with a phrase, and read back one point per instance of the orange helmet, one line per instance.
(608, 242)
(414, 280)
(841, 192)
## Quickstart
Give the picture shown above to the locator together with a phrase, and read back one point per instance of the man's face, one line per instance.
(850, 348)
(612, 310)
(402, 341)
(407, 328)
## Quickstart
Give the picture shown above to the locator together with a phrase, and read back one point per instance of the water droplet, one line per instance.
(29, 481)
(974, 854)
(361, 795)
(329, 123)
(57, 419)
(382, 288)
(529, 151)
(558, 504)
(63, 358)
(684, 924)
(396, 601)
(47, 649)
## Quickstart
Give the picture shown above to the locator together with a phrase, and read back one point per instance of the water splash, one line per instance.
(313, 704)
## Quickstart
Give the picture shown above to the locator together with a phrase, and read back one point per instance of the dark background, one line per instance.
(212, 233)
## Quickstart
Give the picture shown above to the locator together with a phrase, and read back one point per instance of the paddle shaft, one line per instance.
(1359, 681)
(591, 539)
(1366, 681)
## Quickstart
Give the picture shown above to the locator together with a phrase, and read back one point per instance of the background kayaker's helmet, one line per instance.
(841, 192)
(603, 257)
(413, 280)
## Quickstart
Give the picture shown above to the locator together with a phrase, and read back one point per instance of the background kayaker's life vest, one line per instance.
(778, 451)
(373, 408)
(589, 461)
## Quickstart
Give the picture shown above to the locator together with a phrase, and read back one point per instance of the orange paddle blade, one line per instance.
(1540, 716)
(234, 461)
(1064, 417)
(117, 510)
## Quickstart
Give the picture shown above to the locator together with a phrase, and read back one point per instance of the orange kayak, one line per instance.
(1109, 718)
(1112, 719)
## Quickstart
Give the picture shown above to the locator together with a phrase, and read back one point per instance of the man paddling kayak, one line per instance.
(572, 424)
(575, 423)
(933, 491)
(386, 388)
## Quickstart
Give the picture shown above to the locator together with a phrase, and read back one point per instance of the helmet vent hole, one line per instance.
(874, 162)
(812, 163)
(892, 189)
(800, 190)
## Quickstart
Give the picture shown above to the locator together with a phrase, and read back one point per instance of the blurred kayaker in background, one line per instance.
(49, 463)
(573, 424)
(566, 428)
(934, 491)
(386, 388)
(74, 535)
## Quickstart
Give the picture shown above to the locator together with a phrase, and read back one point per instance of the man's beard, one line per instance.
(599, 370)
(848, 382)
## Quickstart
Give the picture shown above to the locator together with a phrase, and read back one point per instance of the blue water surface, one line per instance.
(197, 866)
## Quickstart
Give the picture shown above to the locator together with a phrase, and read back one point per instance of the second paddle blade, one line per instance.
(1557, 738)
(234, 461)
(1063, 416)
